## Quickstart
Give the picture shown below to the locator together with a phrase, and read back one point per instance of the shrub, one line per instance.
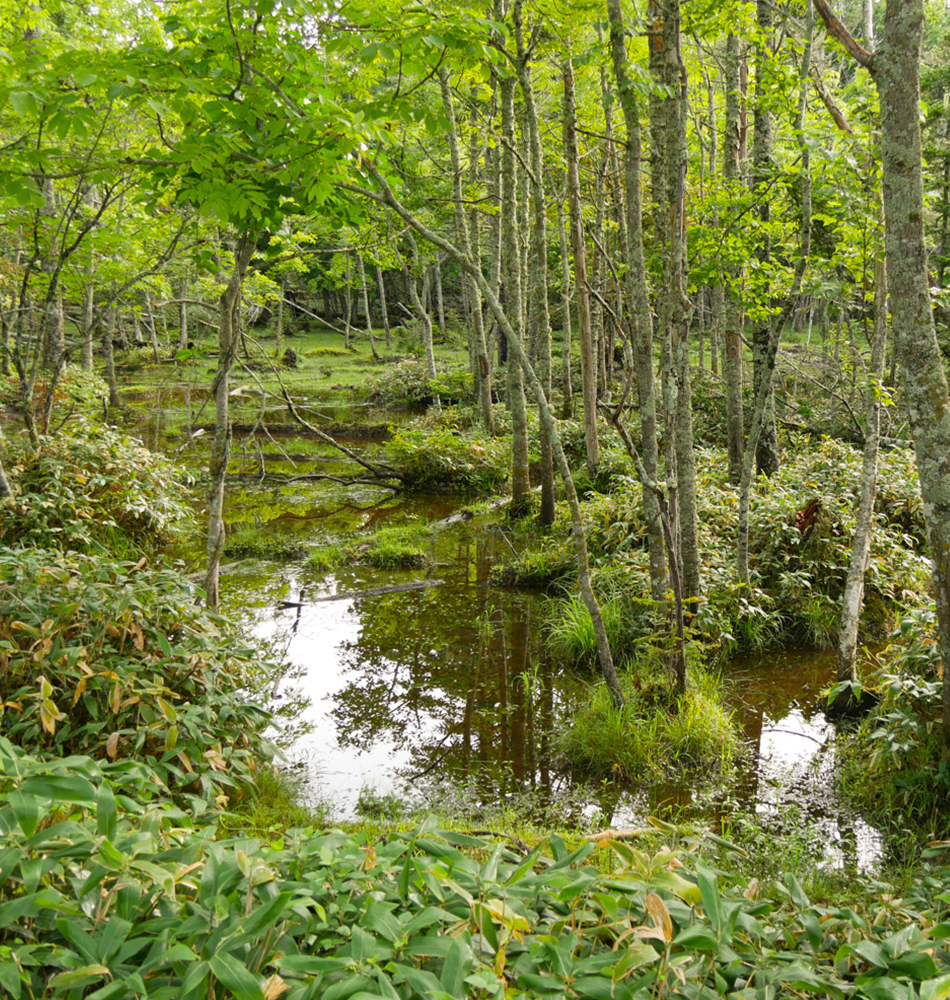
(116, 661)
(408, 381)
(448, 460)
(893, 768)
(93, 489)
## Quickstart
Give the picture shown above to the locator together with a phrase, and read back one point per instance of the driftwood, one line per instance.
(395, 588)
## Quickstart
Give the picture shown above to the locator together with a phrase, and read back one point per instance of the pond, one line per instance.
(435, 686)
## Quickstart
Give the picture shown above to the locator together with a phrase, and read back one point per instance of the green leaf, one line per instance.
(60, 788)
(455, 967)
(236, 977)
(106, 812)
(697, 937)
(76, 976)
(917, 965)
(26, 810)
(884, 989)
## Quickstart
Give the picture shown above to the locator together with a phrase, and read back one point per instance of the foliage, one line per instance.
(397, 548)
(257, 543)
(80, 391)
(656, 734)
(443, 459)
(408, 381)
(893, 767)
(115, 660)
(93, 489)
(801, 525)
(107, 898)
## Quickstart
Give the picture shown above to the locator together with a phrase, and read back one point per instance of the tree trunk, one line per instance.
(568, 409)
(367, 315)
(853, 597)
(381, 288)
(511, 267)
(539, 332)
(588, 369)
(638, 296)
(767, 454)
(228, 324)
(479, 350)
(732, 333)
(182, 314)
(88, 318)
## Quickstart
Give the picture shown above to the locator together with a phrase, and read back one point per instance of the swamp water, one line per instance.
(446, 695)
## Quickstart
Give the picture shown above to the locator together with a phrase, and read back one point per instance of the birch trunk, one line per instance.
(568, 409)
(638, 296)
(381, 288)
(853, 597)
(228, 323)
(366, 313)
(588, 369)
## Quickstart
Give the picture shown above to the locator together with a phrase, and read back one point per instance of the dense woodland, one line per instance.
(668, 286)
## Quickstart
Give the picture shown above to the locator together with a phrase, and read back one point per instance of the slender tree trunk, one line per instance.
(279, 320)
(479, 349)
(568, 409)
(511, 264)
(439, 304)
(853, 597)
(108, 334)
(228, 324)
(588, 368)
(732, 330)
(767, 455)
(368, 316)
(88, 318)
(381, 288)
(539, 333)
(348, 303)
(182, 314)
(638, 297)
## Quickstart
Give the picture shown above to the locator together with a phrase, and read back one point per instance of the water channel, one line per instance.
(448, 693)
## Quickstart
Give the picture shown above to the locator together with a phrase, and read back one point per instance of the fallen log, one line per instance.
(395, 588)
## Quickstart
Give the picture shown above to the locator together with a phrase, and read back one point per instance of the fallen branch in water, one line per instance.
(395, 588)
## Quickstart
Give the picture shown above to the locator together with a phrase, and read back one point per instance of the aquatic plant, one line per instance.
(656, 734)
(254, 542)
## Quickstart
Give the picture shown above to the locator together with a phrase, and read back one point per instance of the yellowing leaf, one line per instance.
(112, 746)
(660, 916)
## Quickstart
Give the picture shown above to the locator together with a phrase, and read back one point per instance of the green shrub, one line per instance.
(106, 898)
(443, 459)
(892, 768)
(93, 489)
(117, 661)
(656, 734)
(408, 381)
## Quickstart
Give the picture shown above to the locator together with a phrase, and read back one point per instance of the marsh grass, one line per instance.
(656, 734)
(259, 543)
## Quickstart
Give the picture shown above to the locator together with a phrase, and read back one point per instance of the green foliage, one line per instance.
(656, 734)
(801, 526)
(116, 661)
(93, 489)
(78, 390)
(893, 768)
(258, 543)
(444, 459)
(408, 381)
(104, 897)
(397, 548)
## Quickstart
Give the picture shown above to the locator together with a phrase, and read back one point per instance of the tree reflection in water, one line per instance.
(459, 676)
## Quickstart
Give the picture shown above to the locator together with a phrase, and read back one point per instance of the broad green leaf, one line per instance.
(236, 977)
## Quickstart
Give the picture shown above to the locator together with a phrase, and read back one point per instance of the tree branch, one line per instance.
(837, 30)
